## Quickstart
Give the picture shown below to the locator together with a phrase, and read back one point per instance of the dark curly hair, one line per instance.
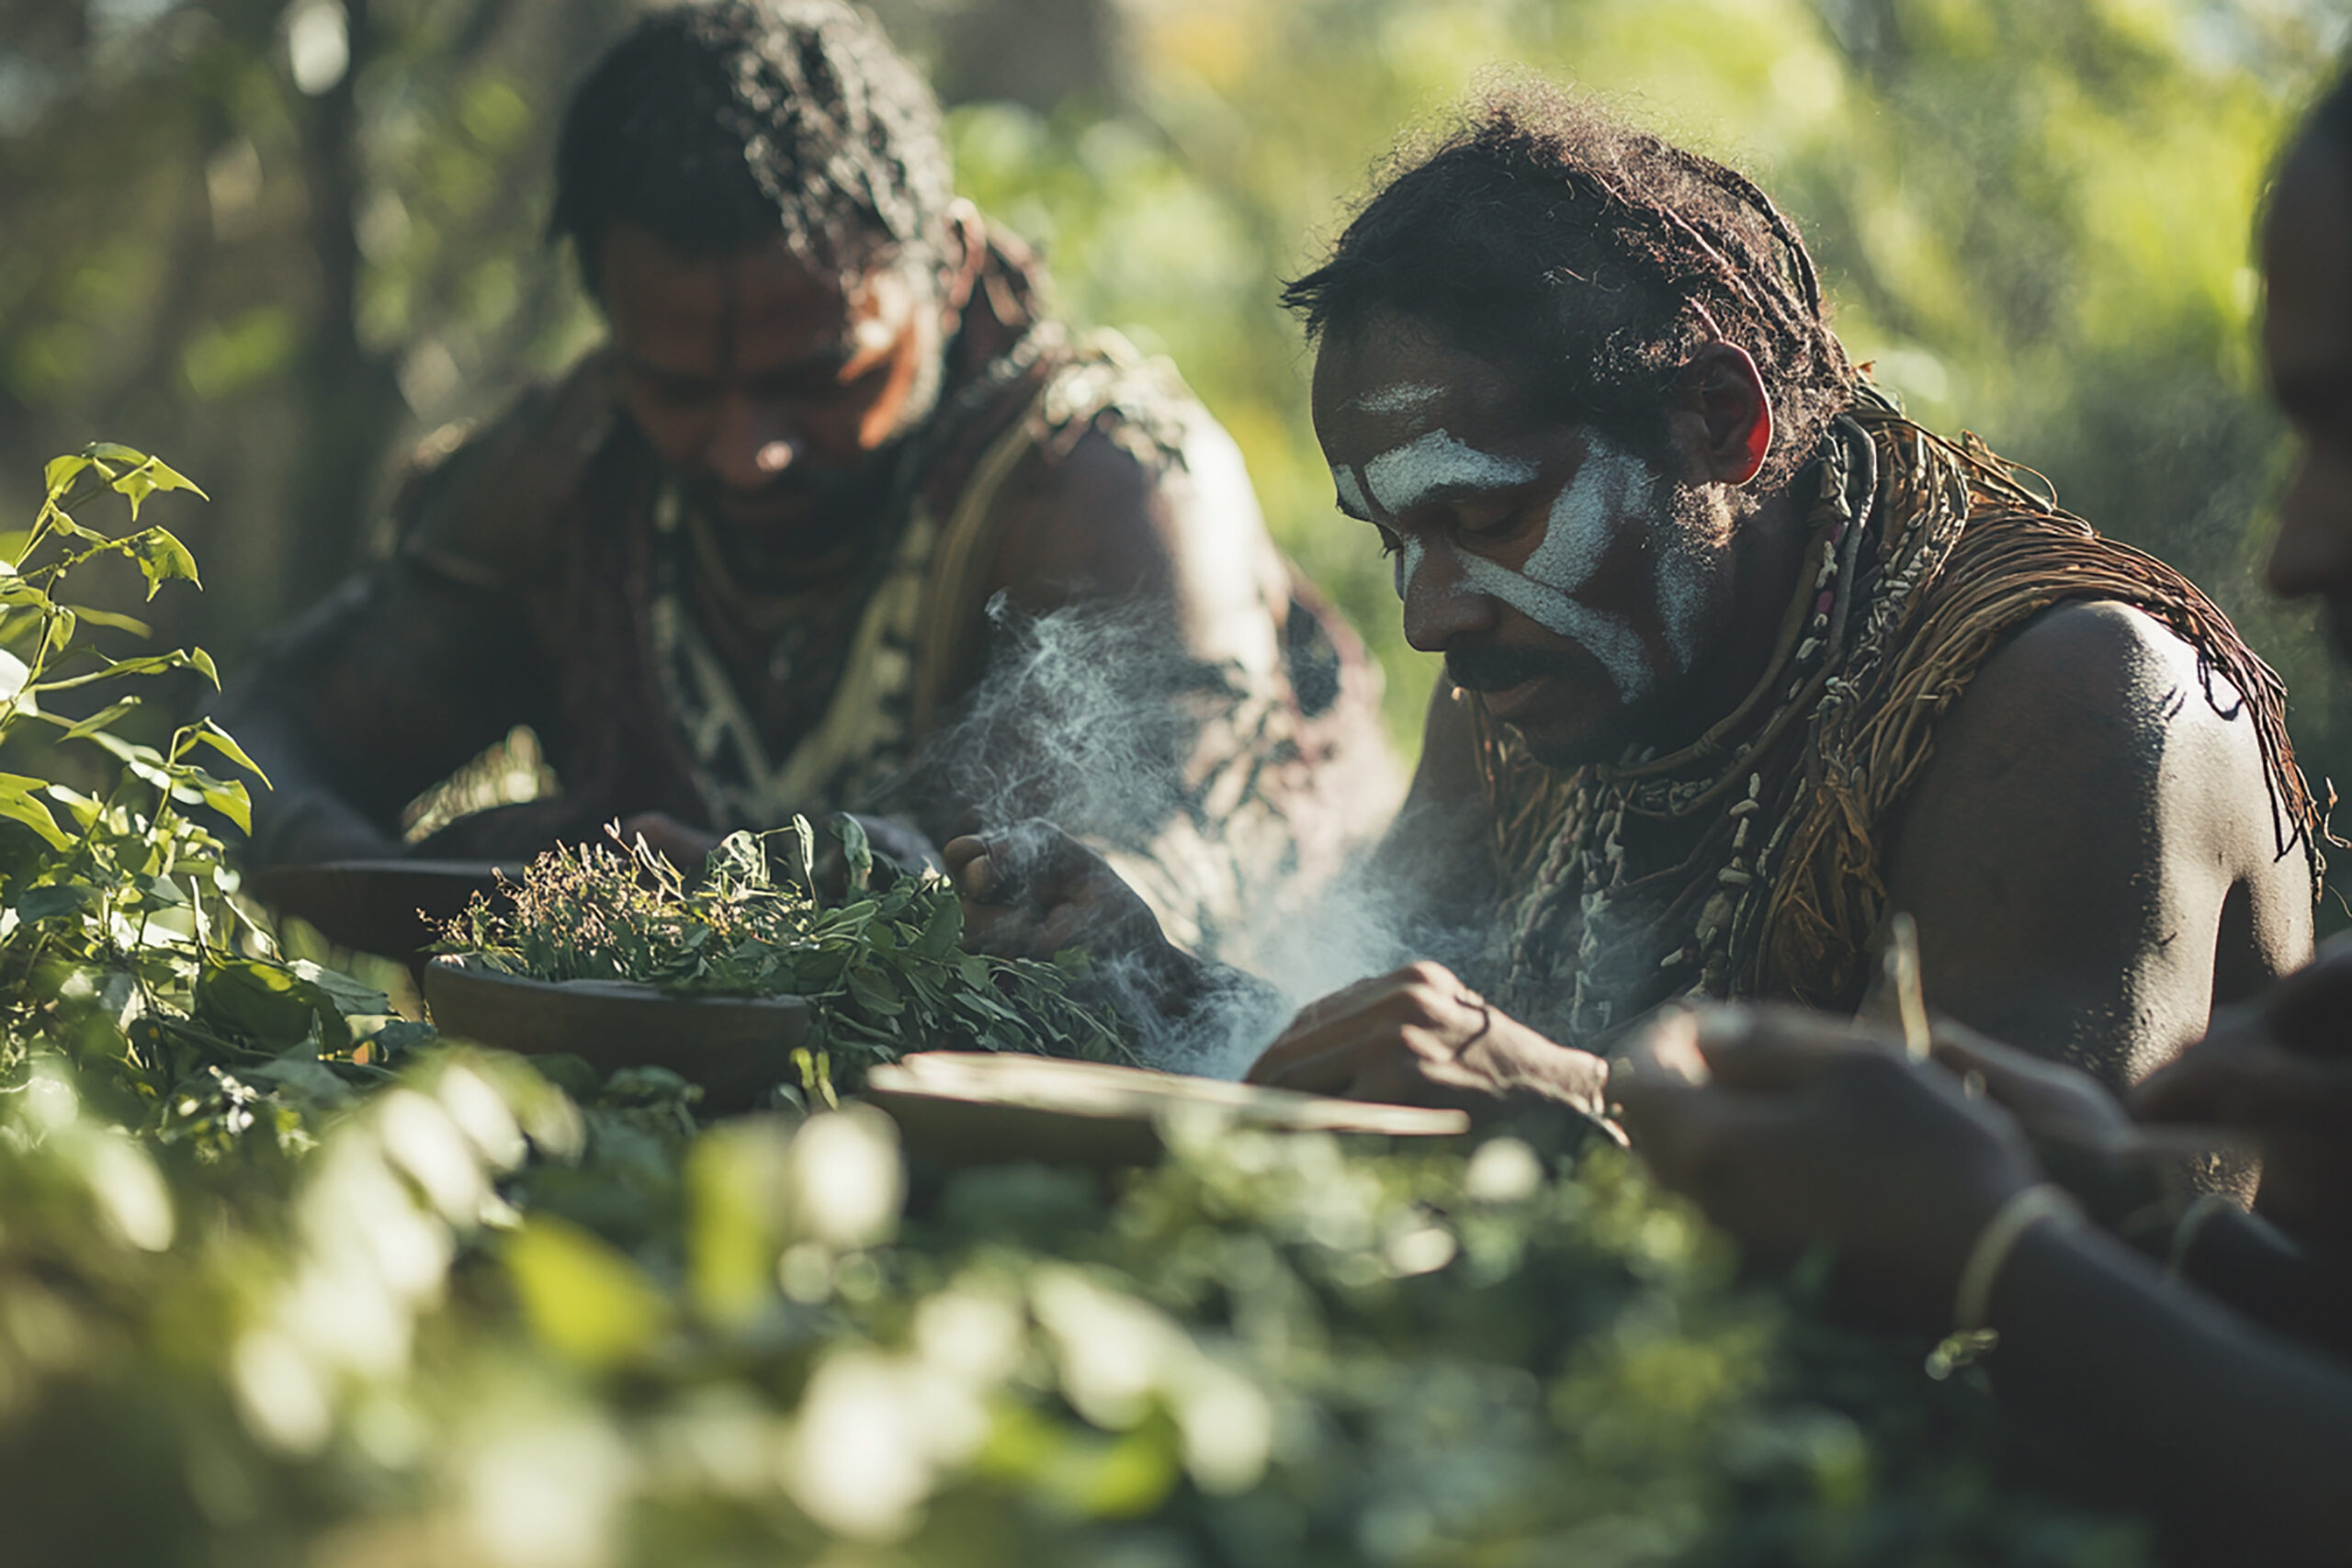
(722, 124)
(1551, 235)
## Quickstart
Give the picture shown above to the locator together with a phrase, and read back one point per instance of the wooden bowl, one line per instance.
(737, 1048)
(973, 1108)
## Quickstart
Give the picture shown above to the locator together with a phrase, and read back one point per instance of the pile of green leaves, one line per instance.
(263, 1305)
(880, 966)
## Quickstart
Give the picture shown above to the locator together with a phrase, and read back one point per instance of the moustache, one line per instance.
(1492, 667)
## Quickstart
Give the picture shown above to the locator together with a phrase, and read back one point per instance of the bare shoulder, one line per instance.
(1115, 516)
(2098, 698)
(2091, 851)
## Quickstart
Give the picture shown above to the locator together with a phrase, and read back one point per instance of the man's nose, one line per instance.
(751, 445)
(1438, 607)
(2312, 553)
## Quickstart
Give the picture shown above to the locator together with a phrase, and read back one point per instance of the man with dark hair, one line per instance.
(741, 561)
(1741, 662)
(2191, 1356)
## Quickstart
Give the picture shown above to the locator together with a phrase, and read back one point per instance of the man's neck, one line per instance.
(1769, 551)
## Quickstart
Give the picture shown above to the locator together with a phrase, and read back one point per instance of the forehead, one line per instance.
(2307, 265)
(1392, 379)
(763, 302)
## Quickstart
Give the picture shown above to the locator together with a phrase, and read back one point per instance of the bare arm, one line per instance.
(1794, 1131)
(2091, 843)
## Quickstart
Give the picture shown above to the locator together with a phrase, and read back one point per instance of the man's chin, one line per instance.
(1562, 723)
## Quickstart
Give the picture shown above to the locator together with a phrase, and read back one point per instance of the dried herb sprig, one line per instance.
(881, 966)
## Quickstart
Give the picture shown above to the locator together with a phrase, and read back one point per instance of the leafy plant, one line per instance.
(122, 944)
(880, 966)
(261, 1304)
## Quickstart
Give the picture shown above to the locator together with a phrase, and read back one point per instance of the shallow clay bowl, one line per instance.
(972, 1108)
(736, 1047)
(392, 907)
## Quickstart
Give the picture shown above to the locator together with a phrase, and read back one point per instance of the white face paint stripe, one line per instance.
(1611, 487)
(1410, 553)
(1402, 479)
(1610, 638)
(1352, 499)
(1400, 398)
(1586, 516)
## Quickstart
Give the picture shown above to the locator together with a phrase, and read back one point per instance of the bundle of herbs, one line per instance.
(880, 966)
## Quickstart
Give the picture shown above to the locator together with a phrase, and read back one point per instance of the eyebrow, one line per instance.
(1438, 467)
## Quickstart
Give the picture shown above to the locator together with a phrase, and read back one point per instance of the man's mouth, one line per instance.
(1495, 669)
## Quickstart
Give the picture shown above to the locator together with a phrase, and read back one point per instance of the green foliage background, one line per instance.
(2035, 216)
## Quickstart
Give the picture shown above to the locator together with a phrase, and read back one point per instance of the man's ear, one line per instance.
(1722, 387)
(967, 248)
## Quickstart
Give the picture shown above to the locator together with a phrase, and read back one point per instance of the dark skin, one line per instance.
(775, 390)
(1777, 1123)
(1795, 1132)
(2086, 858)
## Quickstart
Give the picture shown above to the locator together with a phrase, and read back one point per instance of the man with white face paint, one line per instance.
(1741, 663)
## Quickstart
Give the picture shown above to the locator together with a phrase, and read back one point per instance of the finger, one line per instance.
(960, 852)
(2310, 1010)
(1773, 1050)
(1668, 1047)
(976, 876)
(1320, 1064)
(2257, 1088)
(2011, 1077)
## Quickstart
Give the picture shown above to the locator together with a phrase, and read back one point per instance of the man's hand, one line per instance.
(1422, 1037)
(1031, 890)
(2279, 1068)
(1792, 1129)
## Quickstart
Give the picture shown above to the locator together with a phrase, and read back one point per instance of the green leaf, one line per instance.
(160, 554)
(113, 452)
(61, 472)
(583, 1297)
(269, 1003)
(350, 996)
(231, 798)
(100, 719)
(212, 735)
(855, 849)
(17, 802)
(48, 903)
(98, 618)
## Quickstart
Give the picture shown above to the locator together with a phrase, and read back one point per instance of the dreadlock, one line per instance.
(1541, 229)
(725, 123)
